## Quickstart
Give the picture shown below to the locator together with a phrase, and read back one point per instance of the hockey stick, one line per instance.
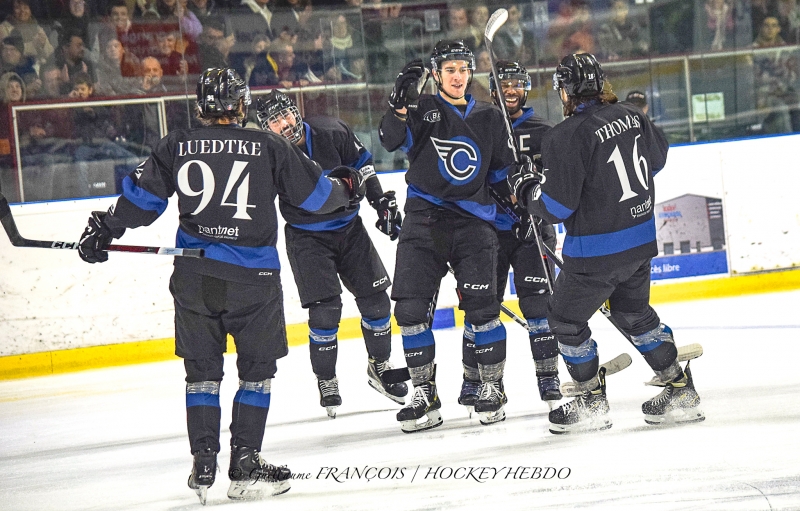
(496, 20)
(17, 240)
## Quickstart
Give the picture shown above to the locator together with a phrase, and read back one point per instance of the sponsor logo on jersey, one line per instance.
(642, 209)
(459, 159)
(139, 170)
(432, 116)
(219, 231)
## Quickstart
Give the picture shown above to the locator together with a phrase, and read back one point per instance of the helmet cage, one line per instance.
(580, 75)
(275, 107)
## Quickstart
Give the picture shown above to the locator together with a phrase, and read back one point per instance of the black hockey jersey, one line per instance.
(226, 179)
(330, 143)
(528, 130)
(452, 156)
(599, 166)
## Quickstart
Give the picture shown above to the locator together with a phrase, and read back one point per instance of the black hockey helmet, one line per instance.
(272, 107)
(509, 70)
(580, 75)
(219, 91)
(451, 50)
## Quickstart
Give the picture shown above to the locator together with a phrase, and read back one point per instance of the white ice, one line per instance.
(115, 439)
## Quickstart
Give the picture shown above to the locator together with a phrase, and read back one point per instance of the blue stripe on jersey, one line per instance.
(422, 339)
(202, 399)
(409, 141)
(470, 105)
(249, 397)
(141, 198)
(365, 157)
(502, 221)
(595, 245)
(482, 211)
(527, 113)
(557, 209)
(307, 130)
(328, 225)
(319, 196)
(248, 257)
(495, 176)
(497, 333)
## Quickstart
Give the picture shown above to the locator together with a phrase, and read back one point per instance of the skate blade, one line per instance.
(493, 417)
(202, 494)
(331, 411)
(679, 416)
(378, 387)
(248, 490)
(585, 426)
(434, 419)
(470, 410)
(551, 403)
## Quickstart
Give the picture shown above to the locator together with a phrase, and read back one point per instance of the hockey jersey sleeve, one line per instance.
(354, 154)
(301, 182)
(394, 133)
(565, 174)
(146, 190)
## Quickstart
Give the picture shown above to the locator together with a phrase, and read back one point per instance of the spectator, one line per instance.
(151, 79)
(215, 45)
(458, 27)
(12, 90)
(168, 10)
(344, 52)
(53, 84)
(776, 79)
(76, 18)
(789, 17)
(570, 31)
(116, 69)
(760, 9)
(513, 41)
(719, 24)
(393, 39)
(280, 68)
(12, 86)
(622, 37)
(253, 18)
(70, 57)
(36, 43)
(12, 59)
(478, 17)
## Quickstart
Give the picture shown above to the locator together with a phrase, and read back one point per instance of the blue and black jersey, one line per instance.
(331, 143)
(226, 179)
(454, 153)
(599, 165)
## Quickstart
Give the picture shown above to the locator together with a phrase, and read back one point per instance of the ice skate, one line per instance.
(490, 402)
(424, 403)
(587, 412)
(204, 470)
(394, 391)
(549, 389)
(677, 403)
(329, 395)
(252, 478)
(470, 391)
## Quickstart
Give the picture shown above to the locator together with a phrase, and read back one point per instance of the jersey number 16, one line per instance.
(640, 166)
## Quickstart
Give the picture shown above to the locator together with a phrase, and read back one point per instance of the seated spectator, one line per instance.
(76, 18)
(776, 75)
(151, 77)
(458, 27)
(279, 68)
(53, 85)
(116, 69)
(250, 20)
(12, 90)
(788, 16)
(35, 40)
(393, 38)
(718, 33)
(13, 60)
(70, 57)
(513, 41)
(169, 10)
(622, 36)
(215, 45)
(478, 17)
(344, 51)
(570, 31)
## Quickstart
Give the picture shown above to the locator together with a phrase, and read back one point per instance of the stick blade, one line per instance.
(496, 20)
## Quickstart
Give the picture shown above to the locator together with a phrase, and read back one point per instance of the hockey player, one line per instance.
(603, 191)
(518, 250)
(323, 249)
(226, 179)
(456, 148)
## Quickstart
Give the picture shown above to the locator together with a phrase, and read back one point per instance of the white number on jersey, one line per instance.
(640, 166)
(207, 192)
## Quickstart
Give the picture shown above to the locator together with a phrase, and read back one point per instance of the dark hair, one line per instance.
(82, 77)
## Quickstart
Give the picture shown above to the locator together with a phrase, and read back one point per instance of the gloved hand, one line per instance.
(389, 218)
(353, 180)
(96, 239)
(404, 93)
(522, 177)
(523, 230)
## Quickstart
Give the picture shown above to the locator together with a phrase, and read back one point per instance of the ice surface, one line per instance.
(114, 439)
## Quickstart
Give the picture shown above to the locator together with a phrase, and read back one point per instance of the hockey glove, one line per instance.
(389, 218)
(96, 239)
(523, 230)
(404, 93)
(522, 177)
(353, 180)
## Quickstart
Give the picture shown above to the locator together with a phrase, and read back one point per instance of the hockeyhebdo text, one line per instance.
(419, 473)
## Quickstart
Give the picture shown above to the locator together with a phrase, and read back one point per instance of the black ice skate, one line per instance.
(491, 401)
(424, 403)
(587, 412)
(252, 478)
(329, 395)
(677, 403)
(394, 391)
(204, 470)
(549, 388)
(470, 391)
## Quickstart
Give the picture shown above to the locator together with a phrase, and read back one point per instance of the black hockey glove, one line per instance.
(404, 94)
(522, 177)
(353, 180)
(389, 218)
(96, 239)
(523, 230)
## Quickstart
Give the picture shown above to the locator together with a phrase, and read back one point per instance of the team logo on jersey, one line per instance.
(432, 116)
(459, 159)
(139, 170)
